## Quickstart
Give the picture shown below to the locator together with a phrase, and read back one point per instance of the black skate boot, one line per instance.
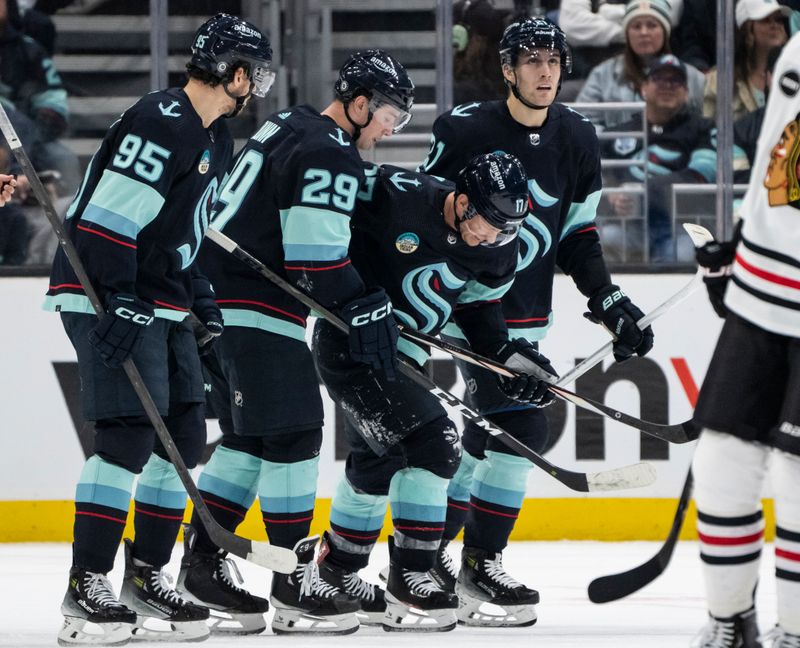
(738, 631)
(208, 579)
(146, 590)
(445, 571)
(91, 599)
(782, 639)
(482, 579)
(305, 602)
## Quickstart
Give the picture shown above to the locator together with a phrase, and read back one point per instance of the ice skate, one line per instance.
(305, 602)
(483, 583)
(162, 615)
(213, 580)
(738, 631)
(92, 614)
(445, 571)
(781, 639)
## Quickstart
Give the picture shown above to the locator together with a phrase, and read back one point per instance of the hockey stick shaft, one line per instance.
(633, 476)
(616, 586)
(261, 553)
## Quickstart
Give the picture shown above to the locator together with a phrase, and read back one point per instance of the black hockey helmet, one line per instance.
(497, 188)
(224, 41)
(532, 33)
(380, 77)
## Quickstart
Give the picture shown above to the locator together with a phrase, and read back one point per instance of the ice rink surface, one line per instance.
(666, 614)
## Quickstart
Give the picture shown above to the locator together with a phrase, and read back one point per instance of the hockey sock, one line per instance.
(785, 478)
(458, 496)
(419, 503)
(102, 498)
(356, 523)
(287, 492)
(159, 504)
(498, 488)
(228, 486)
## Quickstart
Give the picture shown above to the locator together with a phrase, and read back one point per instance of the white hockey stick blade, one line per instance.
(699, 234)
(634, 476)
(267, 555)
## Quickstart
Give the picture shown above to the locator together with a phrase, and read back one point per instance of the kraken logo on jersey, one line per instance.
(421, 287)
(407, 242)
(205, 162)
(202, 212)
(782, 173)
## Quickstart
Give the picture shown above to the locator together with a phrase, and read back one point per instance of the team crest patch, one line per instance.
(452, 239)
(205, 162)
(534, 139)
(624, 145)
(781, 182)
(407, 242)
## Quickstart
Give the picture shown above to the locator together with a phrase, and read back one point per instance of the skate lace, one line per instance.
(781, 639)
(495, 571)
(99, 590)
(161, 584)
(716, 634)
(448, 563)
(420, 583)
(356, 586)
(312, 584)
(228, 570)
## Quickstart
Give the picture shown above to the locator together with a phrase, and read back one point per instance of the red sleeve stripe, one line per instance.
(525, 321)
(767, 276)
(106, 236)
(170, 306)
(307, 269)
(60, 286)
(263, 305)
(591, 228)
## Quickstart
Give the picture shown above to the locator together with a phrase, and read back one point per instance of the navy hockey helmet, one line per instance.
(497, 188)
(532, 33)
(380, 77)
(224, 41)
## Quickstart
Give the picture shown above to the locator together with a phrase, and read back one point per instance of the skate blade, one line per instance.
(293, 621)
(227, 623)
(80, 632)
(152, 629)
(370, 618)
(476, 613)
(401, 617)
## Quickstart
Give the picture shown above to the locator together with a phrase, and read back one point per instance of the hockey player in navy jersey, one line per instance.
(749, 404)
(288, 201)
(137, 223)
(560, 153)
(439, 250)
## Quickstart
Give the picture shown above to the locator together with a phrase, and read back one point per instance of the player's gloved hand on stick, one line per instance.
(537, 373)
(716, 258)
(613, 309)
(373, 331)
(120, 328)
(211, 323)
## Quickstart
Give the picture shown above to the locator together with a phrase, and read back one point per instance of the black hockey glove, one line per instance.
(613, 309)
(717, 260)
(211, 323)
(537, 373)
(118, 333)
(373, 331)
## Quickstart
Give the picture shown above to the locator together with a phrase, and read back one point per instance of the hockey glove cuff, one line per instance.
(118, 333)
(613, 309)
(536, 373)
(716, 259)
(373, 331)
(210, 317)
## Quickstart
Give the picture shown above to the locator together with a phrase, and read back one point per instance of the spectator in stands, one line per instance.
(24, 15)
(477, 27)
(694, 40)
(647, 28)
(760, 26)
(680, 150)
(13, 226)
(30, 83)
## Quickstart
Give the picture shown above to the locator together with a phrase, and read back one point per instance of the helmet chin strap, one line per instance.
(240, 101)
(515, 91)
(357, 127)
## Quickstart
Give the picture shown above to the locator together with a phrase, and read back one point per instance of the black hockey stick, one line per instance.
(616, 586)
(261, 553)
(633, 476)
(677, 433)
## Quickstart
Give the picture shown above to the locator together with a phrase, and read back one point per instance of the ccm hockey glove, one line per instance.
(118, 333)
(373, 331)
(208, 314)
(717, 260)
(537, 373)
(613, 309)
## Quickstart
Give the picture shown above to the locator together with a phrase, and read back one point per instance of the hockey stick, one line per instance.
(677, 433)
(633, 476)
(261, 553)
(616, 586)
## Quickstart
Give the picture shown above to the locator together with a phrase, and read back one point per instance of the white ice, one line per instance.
(666, 614)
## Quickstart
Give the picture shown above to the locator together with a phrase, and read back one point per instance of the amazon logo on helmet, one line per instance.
(375, 71)
(532, 33)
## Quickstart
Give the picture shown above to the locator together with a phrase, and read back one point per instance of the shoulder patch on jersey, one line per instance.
(205, 162)
(265, 132)
(789, 83)
(398, 180)
(284, 115)
(462, 110)
(339, 137)
(169, 111)
(624, 145)
(407, 242)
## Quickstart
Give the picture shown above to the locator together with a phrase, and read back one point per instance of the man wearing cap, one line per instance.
(679, 149)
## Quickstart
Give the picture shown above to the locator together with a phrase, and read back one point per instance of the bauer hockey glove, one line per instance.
(373, 331)
(717, 261)
(537, 373)
(118, 333)
(613, 309)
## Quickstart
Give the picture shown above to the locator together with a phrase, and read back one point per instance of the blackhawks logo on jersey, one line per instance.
(781, 182)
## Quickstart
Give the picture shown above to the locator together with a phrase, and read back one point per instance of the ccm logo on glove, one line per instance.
(374, 316)
(137, 318)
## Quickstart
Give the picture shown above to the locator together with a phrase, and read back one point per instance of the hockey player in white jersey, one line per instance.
(749, 405)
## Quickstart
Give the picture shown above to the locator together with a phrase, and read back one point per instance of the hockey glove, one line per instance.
(211, 323)
(717, 260)
(613, 309)
(118, 333)
(537, 373)
(373, 331)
